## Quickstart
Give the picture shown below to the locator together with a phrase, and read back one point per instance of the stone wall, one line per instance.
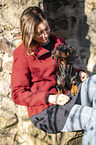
(74, 20)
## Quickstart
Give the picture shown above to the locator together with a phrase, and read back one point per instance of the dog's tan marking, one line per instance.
(74, 90)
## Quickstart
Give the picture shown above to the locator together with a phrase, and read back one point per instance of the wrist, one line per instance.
(52, 99)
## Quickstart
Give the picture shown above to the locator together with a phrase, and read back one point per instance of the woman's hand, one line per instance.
(59, 99)
(83, 76)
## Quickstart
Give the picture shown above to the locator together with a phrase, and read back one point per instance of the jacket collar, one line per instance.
(41, 50)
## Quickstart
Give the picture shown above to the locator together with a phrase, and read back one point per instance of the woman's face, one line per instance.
(42, 31)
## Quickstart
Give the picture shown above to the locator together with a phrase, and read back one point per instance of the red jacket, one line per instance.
(33, 77)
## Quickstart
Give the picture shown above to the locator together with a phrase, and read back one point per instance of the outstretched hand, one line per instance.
(83, 76)
(59, 99)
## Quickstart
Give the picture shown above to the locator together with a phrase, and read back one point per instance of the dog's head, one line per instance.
(65, 52)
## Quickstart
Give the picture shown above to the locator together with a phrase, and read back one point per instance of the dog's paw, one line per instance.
(74, 90)
(60, 91)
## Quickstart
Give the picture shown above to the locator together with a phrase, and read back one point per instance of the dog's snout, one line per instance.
(54, 52)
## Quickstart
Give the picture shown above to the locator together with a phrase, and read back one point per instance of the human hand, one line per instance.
(59, 99)
(83, 76)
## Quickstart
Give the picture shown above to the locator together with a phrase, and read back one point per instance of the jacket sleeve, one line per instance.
(78, 70)
(21, 84)
(62, 40)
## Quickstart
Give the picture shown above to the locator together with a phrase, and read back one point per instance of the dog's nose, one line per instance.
(52, 56)
(54, 52)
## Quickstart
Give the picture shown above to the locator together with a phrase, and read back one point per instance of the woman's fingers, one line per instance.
(83, 76)
(62, 99)
(59, 99)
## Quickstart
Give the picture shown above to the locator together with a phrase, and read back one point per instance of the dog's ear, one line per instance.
(73, 55)
(52, 56)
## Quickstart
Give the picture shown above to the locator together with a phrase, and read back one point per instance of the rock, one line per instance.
(91, 62)
(1, 30)
(6, 46)
(0, 64)
(17, 42)
(4, 83)
(70, 20)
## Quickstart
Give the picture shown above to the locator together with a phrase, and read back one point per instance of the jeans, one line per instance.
(83, 117)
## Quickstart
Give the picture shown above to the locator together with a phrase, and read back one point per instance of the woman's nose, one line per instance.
(45, 34)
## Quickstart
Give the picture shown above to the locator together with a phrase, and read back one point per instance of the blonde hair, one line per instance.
(28, 21)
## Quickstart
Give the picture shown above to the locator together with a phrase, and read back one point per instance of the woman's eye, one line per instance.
(40, 33)
(47, 29)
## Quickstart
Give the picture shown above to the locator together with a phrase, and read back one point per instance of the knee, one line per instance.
(93, 116)
(93, 78)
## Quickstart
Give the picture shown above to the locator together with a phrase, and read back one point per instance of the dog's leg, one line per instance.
(74, 90)
(60, 91)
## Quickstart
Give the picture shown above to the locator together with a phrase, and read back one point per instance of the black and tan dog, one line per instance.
(67, 77)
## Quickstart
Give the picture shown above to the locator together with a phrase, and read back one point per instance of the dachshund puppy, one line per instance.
(67, 77)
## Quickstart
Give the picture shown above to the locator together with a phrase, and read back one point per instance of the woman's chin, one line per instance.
(45, 42)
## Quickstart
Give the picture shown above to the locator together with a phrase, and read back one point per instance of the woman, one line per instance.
(33, 82)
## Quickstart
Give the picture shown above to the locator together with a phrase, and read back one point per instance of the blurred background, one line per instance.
(75, 21)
